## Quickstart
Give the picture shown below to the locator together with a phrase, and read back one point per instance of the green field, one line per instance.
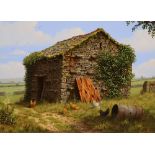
(9, 89)
(49, 117)
(141, 81)
(136, 86)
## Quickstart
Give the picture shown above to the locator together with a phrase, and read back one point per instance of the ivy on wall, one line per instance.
(115, 70)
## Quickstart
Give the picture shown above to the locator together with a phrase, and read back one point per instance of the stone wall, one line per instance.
(148, 86)
(81, 61)
(48, 73)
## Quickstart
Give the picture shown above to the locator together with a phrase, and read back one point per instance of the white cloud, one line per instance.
(21, 33)
(66, 34)
(19, 53)
(141, 41)
(26, 33)
(146, 69)
(11, 70)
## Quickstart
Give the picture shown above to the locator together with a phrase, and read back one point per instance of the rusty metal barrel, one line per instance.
(124, 111)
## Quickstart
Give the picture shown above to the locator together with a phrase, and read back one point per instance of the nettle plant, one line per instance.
(115, 70)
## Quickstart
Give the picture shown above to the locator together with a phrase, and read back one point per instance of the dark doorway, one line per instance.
(40, 88)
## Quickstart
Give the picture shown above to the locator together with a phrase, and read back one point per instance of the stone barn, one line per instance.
(51, 73)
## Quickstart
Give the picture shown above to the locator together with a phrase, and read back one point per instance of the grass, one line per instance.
(141, 81)
(9, 89)
(135, 91)
(49, 117)
(137, 85)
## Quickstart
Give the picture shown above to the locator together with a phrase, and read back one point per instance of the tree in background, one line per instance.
(145, 25)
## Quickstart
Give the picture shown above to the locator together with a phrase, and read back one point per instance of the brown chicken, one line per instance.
(32, 103)
(73, 106)
(65, 109)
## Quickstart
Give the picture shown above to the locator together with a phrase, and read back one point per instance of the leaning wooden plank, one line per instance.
(87, 91)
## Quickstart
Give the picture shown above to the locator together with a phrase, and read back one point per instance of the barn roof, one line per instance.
(66, 45)
(63, 46)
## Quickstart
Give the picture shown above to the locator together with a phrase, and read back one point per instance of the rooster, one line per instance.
(104, 113)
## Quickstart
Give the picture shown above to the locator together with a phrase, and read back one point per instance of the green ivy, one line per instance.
(115, 70)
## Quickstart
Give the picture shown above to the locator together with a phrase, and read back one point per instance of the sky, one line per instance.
(19, 39)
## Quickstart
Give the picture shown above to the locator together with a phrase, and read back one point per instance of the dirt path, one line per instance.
(48, 121)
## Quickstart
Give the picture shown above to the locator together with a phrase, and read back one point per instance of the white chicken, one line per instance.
(96, 104)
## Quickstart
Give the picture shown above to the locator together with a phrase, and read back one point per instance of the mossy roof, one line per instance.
(63, 46)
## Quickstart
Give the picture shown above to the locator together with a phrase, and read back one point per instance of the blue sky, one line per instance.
(18, 39)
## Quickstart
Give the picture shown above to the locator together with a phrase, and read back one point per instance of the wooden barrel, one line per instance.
(124, 111)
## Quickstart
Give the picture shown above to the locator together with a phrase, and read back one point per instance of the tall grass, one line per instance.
(49, 117)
